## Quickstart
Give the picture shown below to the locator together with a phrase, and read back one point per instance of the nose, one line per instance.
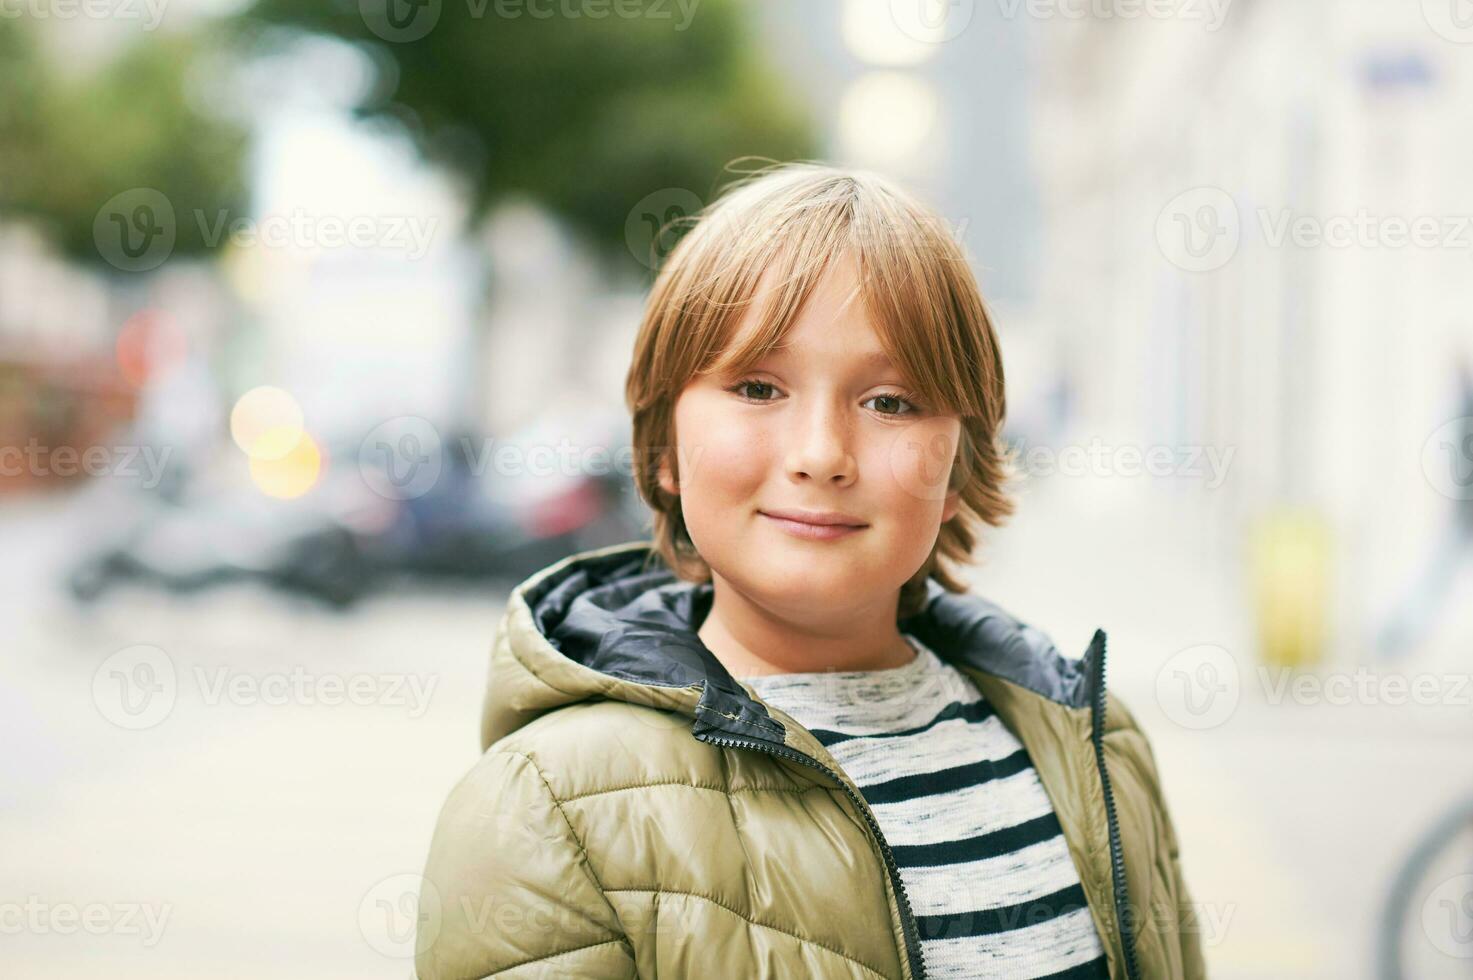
(818, 447)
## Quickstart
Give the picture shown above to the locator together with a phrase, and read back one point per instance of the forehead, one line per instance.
(868, 358)
(831, 318)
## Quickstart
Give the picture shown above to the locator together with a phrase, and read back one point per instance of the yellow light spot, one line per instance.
(285, 472)
(259, 412)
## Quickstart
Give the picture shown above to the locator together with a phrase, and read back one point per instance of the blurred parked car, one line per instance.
(342, 539)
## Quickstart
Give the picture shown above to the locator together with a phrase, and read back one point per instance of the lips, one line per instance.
(817, 518)
(815, 525)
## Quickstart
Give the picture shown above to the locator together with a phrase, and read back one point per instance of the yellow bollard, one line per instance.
(1289, 568)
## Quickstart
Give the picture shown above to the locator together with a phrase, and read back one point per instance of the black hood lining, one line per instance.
(625, 614)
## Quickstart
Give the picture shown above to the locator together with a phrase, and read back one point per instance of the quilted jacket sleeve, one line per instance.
(508, 889)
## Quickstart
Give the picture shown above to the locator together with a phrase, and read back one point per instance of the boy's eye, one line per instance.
(892, 400)
(740, 387)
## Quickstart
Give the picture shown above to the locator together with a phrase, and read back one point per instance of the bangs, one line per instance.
(909, 274)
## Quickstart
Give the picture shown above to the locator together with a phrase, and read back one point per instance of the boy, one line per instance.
(781, 739)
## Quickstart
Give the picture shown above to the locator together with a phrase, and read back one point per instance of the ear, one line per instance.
(666, 478)
(952, 505)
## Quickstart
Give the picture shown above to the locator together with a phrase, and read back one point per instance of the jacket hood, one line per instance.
(615, 623)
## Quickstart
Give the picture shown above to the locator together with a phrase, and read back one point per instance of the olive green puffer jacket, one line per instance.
(640, 813)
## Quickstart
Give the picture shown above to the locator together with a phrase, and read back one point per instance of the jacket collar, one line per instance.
(622, 612)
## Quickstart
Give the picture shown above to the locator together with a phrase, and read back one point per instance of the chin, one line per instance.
(805, 582)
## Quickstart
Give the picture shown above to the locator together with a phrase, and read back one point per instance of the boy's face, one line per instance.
(821, 424)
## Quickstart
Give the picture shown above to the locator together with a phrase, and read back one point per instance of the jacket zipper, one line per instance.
(907, 918)
(1117, 854)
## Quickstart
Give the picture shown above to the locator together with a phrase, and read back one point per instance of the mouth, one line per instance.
(815, 525)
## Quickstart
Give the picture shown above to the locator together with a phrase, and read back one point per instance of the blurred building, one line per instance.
(1221, 259)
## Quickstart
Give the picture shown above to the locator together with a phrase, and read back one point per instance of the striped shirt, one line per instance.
(980, 851)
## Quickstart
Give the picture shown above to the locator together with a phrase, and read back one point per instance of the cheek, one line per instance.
(915, 469)
(724, 459)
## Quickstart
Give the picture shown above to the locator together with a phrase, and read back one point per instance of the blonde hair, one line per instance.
(918, 290)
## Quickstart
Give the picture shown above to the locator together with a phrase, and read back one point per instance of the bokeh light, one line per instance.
(874, 34)
(885, 118)
(148, 345)
(260, 419)
(285, 462)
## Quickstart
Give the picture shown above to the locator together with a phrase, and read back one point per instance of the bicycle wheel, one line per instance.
(1427, 923)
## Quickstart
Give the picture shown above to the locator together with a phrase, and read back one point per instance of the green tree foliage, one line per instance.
(73, 137)
(587, 114)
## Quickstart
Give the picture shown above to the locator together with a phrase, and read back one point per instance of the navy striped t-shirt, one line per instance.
(980, 851)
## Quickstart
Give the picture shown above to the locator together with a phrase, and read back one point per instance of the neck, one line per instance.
(750, 639)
